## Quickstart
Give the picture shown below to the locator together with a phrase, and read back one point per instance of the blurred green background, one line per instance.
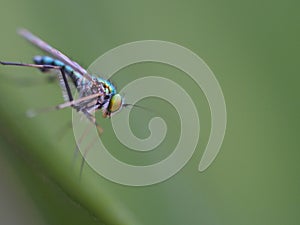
(253, 49)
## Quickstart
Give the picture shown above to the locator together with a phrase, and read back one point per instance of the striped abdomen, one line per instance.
(46, 60)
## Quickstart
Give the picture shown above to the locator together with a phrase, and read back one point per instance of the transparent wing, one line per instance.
(54, 52)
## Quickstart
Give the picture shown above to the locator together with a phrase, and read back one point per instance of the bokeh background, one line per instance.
(252, 48)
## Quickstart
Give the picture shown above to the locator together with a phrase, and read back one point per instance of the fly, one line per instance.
(95, 93)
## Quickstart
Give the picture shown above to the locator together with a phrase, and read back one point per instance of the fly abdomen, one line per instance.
(46, 60)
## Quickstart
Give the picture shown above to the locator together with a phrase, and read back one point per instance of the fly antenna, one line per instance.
(125, 105)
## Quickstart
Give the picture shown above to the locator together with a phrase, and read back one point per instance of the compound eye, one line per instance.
(115, 103)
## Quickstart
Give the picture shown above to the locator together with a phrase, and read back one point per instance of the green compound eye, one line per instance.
(115, 103)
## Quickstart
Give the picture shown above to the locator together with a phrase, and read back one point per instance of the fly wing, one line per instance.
(54, 52)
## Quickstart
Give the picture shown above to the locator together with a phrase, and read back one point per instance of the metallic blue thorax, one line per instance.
(108, 86)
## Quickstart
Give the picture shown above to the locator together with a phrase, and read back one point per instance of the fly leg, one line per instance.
(45, 67)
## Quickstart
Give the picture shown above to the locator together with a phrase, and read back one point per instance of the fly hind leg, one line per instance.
(45, 68)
